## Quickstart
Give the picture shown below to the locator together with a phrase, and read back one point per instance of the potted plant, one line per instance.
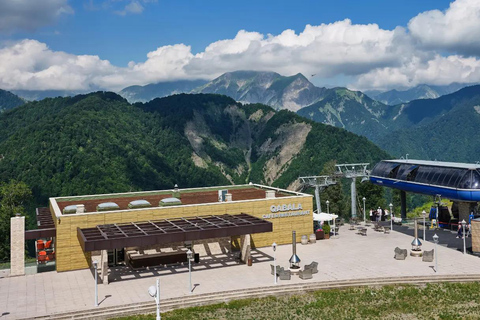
(326, 230)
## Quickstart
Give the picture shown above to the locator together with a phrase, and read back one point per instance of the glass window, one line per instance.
(433, 177)
(442, 172)
(475, 180)
(466, 180)
(402, 169)
(393, 171)
(456, 177)
(413, 174)
(447, 175)
(420, 173)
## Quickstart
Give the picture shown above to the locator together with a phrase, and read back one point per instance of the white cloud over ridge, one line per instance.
(374, 58)
(30, 14)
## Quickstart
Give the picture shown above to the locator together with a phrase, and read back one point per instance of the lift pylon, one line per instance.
(319, 183)
(353, 171)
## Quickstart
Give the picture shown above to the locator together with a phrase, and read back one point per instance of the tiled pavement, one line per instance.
(350, 256)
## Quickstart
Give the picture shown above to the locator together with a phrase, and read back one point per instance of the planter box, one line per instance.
(319, 235)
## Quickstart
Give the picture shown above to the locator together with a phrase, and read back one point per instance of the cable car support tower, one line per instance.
(353, 171)
(319, 183)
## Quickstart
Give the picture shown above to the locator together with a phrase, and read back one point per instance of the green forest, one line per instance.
(99, 143)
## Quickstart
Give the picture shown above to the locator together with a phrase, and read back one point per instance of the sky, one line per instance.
(111, 44)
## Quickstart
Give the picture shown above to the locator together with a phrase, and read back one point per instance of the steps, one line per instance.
(219, 297)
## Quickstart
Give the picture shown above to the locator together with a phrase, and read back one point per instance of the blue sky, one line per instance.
(120, 39)
(368, 44)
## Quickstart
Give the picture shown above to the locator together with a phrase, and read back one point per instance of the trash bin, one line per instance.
(197, 257)
(249, 262)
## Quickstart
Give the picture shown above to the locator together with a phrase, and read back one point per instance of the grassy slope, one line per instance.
(433, 301)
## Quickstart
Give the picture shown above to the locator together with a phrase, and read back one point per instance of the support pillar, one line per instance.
(354, 198)
(463, 211)
(104, 267)
(17, 246)
(245, 247)
(317, 199)
(403, 204)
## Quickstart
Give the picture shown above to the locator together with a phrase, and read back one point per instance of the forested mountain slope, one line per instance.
(351, 110)
(99, 143)
(9, 101)
(445, 129)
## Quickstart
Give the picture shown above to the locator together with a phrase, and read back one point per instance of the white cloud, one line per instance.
(457, 29)
(134, 7)
(29, 15)
(436, 71)
(29, 64)
(368, 56)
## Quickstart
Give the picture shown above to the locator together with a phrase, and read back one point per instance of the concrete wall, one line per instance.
(475, 235)
(17, 246)
(70, 256)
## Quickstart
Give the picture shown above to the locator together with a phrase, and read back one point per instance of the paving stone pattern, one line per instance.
(350, 256)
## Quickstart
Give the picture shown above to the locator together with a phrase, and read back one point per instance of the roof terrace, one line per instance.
(92, 203)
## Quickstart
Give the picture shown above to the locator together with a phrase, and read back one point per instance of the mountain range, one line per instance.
(422, 91)
(100, 143)
(159, 90)
(444, 128)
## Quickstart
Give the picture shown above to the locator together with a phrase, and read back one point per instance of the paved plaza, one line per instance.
(349, 256)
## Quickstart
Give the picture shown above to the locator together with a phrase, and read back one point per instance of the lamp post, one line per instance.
(464, 223)
(328, 212)
(435, 239)
(424, 226)
(274, 247)
(189, 257)
(391, 215)
(95, 265)
(154, 292)
(364, 199)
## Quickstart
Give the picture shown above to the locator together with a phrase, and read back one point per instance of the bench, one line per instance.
(157, 259)
(400, 254)
(427, 256)
(362, 231)
(352, 227)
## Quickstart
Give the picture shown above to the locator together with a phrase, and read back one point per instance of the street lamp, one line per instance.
(424, 226)
(391, 215)
(95, 264)
(154, 292)
(364, 199)
(435, 239)
(189, 257)
(464, 223)
(274, 247)
(328, 211)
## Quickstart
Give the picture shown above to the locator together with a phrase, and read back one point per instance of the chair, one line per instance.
(284, 274)
(427, 256)
(400, 254)
(386, 229)
(48, 244)
(42, 257)
(279, 269)
(305, 274)
(312, 266)
(40, 245)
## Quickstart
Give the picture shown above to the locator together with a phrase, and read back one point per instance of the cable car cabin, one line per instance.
(456, 181)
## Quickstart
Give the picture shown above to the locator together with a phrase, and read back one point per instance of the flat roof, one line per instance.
(459, 165)
(141, 234)
(186, 196)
